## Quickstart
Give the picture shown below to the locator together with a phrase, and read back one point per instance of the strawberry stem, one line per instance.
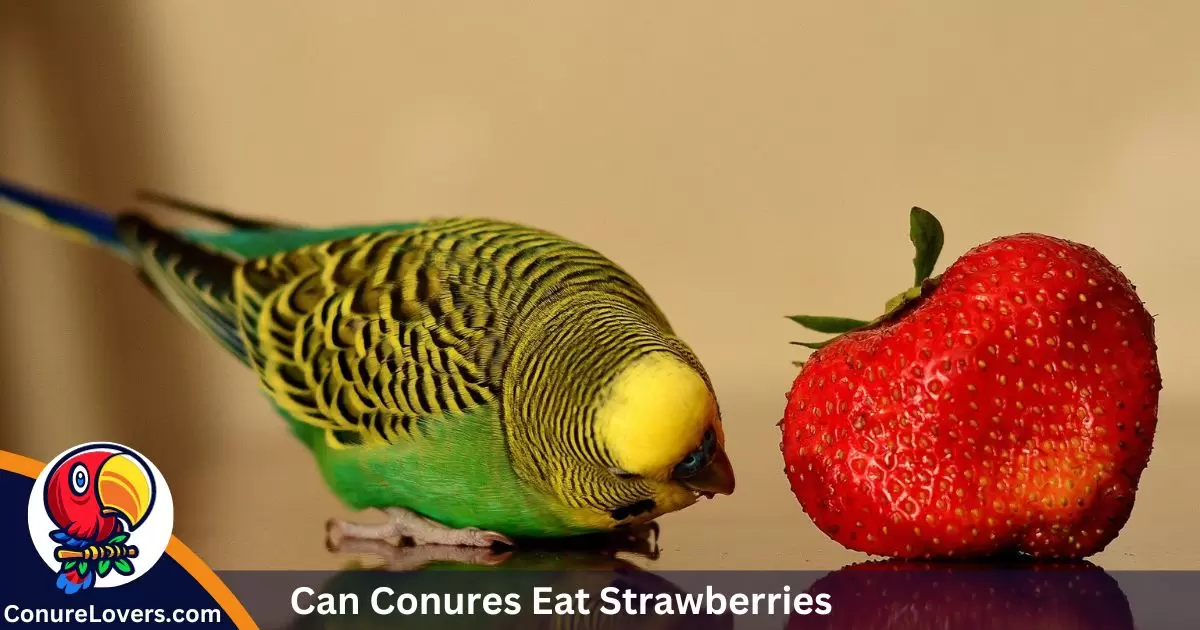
(925, 232)
(898, 301)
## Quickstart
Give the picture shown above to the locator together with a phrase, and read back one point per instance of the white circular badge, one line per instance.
(100, 515)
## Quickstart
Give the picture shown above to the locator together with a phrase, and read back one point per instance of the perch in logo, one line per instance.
(97, 497)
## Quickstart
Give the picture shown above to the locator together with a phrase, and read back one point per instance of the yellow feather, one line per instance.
(656, 413)
(39, 220)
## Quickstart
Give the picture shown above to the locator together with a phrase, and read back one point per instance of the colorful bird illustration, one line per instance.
(96, 497)
(474, 379)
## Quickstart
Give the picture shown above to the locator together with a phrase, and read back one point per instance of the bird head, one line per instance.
(661, 424)
(88, 490)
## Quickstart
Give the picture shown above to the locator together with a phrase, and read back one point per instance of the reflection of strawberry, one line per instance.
(1007, 405)
(902, 596)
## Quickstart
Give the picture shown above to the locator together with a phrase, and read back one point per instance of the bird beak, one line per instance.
(716, 478)
(125, 488)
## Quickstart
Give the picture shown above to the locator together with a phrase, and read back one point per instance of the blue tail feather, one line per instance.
(68, 218)
(70, 582)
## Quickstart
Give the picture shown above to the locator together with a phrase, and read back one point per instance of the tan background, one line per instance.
(744, 160)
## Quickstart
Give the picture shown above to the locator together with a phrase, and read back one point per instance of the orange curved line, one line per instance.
(204, 574)
(201, 572)
(20, 464)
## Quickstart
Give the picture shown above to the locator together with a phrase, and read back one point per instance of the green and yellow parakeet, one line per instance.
(476, 380)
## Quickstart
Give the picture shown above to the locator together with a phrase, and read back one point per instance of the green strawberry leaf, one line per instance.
(69, 564)
(103, 568)
(836, 325)
(927, 237)
(925, 232)
(119, 538)
(123, 566)
(82, 569)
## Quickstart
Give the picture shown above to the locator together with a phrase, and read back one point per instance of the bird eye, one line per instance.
(697, 459)
(79, 479)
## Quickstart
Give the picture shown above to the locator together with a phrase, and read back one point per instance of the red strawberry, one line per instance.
(1008, 405)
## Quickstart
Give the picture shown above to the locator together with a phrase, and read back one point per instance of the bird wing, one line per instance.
(369, 337)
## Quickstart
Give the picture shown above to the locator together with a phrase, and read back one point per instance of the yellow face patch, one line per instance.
(656, 413)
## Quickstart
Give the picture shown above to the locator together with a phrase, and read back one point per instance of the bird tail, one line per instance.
(70, 581)
(193, 280)
(68, 219)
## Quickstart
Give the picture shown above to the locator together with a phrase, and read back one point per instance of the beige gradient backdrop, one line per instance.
(745, 160)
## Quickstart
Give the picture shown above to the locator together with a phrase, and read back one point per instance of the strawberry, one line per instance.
(1006, 406)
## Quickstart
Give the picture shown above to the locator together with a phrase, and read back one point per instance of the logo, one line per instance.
(100, 515)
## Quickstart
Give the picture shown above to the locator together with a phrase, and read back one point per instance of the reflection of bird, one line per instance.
(459, 374)
(594, 551)
(589, 563)
(898, 595)
(96, 498)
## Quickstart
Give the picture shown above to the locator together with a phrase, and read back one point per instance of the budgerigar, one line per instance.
(474, 379)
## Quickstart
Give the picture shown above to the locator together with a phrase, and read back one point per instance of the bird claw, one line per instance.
(643, 540)
(413, 558)
(406, 525)
(465, 537)
(494, 538)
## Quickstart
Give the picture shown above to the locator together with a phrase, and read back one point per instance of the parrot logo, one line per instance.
(94, 503)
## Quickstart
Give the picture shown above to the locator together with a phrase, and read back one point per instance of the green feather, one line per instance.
(258, 243)
(458, 473)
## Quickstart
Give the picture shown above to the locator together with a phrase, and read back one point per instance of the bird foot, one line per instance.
(643, 540)
(420, 557)
(404, 524)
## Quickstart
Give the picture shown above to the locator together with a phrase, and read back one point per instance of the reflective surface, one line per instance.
(742, 164)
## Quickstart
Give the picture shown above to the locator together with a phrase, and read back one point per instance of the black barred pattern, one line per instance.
(195, 282)
(581, 346)
(366, 336)
(374, 336)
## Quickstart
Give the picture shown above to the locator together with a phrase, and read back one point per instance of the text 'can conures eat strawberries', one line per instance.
(1006, 406)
